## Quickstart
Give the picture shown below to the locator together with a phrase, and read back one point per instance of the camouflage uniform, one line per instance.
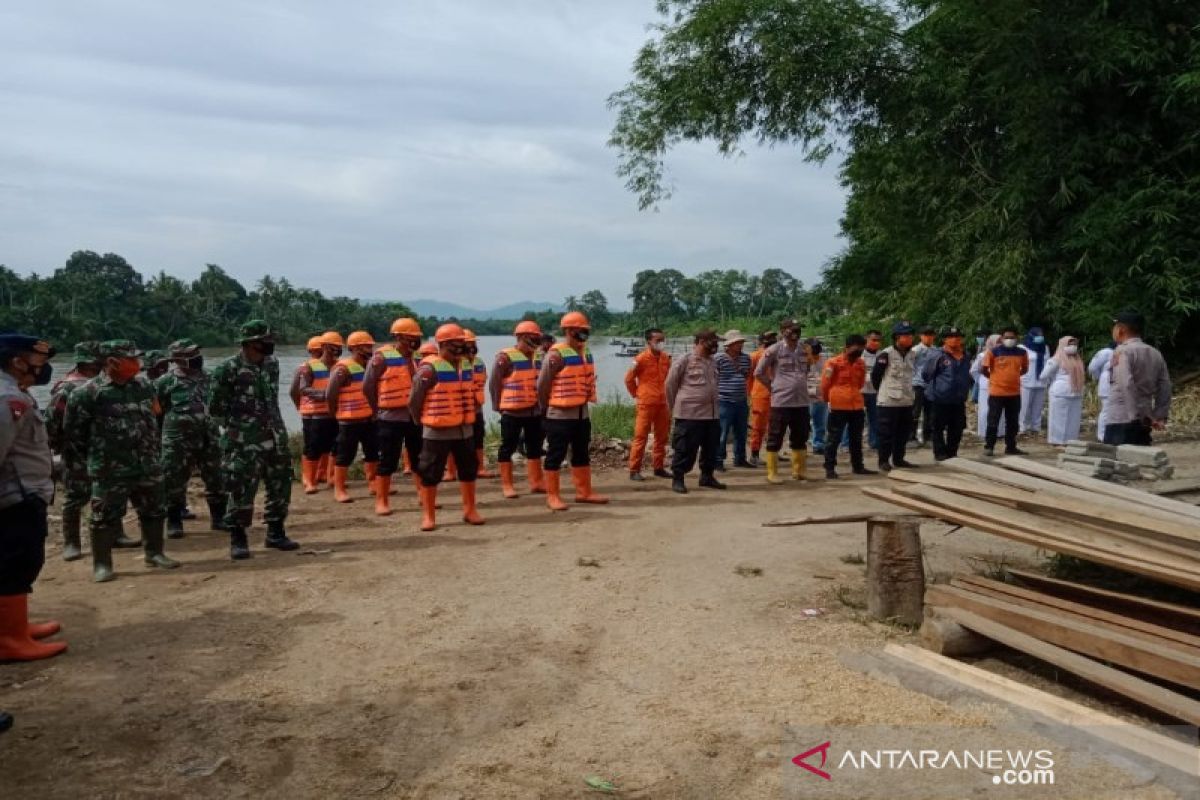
(244, 400)
(115, 426)
(190, 437)
(77, 489)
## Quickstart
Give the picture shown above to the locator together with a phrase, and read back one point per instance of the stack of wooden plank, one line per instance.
(1146, 650)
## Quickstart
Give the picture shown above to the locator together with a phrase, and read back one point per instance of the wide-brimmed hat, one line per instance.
(731, 336)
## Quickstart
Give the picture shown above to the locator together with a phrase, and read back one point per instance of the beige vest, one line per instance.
(896, 389)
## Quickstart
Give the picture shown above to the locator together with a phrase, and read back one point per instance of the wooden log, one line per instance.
(1134, 738)
(1173, 704)
(1175, 486)
(946, 637)
(895, 571)
(1076, 634)
(1171, 615)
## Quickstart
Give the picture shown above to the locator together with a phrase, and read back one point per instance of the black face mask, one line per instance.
(266, 348)
(41, 375)
(533, 344)
(196, 363)
(582, 335)
(854, 355)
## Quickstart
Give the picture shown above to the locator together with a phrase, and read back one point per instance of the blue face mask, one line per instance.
(979, 340)
(1039, 340)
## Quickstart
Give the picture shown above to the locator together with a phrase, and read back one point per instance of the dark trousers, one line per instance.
(351, 435)
(517, 430)
(1010, 407)
(949, 422)
(480, 430)
(922, 418)
(395, 437)
(894, 425)
(692, 437)
(22, 545)
(434, 452)
(320, 436)
(871, 401)
(562, 434)
(794, 420)
(1128, 433)
(852, 421)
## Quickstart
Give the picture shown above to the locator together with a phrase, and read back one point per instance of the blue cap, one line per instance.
(24, 343)
(902, 328)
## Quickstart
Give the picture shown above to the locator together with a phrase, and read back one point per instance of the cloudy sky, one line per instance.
(451, 149)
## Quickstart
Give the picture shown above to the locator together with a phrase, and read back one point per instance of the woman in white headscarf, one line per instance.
(1064, 374)
(981, 381)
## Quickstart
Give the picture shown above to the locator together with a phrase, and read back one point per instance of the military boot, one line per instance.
(123, 541)
(277, 537)
(239, 548)
(102, 566)
(152, 548)
(216, 512)
(174, 523)
(71, 524)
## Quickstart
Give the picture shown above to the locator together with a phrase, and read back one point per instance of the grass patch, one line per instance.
(613, 418)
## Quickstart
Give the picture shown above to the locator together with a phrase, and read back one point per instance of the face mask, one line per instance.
(266, 348)
(1071, 349)
(41, 374)
(872, 347)
(904, 341)
(125, 369)
(657, 346)
(854, 355)
(1010, 342)
(710, 347)
(532, 344)
(582, 335)
(1039, 340)
(196, 363)
(979, 340)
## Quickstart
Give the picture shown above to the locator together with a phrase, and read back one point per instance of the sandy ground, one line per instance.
(488, 662)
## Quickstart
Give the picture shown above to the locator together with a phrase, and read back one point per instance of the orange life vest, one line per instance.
(479, 375)
(395, 383)
(575, 384)
(352, 403)
(450, 402)
(758, 390)
(519, 391)
(308, 406)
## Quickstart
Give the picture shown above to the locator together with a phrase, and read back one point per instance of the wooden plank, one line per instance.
(1069, 548)
(1175, 486)
(1126, 493)
(1170, 556)
(835, 519)
(1076, 634)
(1163, 637)
(1097, 513)
(1173, 704)
(1181, 618)
(1134, 738)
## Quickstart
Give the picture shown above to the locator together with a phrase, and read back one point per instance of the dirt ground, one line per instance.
(662, 642)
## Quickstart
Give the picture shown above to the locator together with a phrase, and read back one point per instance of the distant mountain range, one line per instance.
(444, 310)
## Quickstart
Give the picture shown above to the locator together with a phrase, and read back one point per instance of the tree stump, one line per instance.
(895, 570)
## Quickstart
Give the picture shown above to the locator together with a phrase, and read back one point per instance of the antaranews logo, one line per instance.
(1008, 767)
(801, 760)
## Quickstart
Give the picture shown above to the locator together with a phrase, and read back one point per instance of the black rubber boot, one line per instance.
(71, 544)
(123, 541)
(239, 548)
(831, 474)
(102, 566)
(710, 482)
(152, 549)
(216, 512)
(174, 523)
(678, 486)
(277, 537)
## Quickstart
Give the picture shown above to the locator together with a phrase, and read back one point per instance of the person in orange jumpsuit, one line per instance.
(646, 381)
(356, 420)
(841, 387)
(760, 398)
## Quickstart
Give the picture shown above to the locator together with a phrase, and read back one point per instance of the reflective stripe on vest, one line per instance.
(479, 377)
(575, 384)
(395, 383)
(520, 387)
(451, 401)
(308, 406)
(352, 403)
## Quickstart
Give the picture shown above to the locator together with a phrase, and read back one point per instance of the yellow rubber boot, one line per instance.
(773, 468)
(799, 464)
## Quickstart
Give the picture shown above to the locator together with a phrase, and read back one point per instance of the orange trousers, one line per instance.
(760, 415)
(658, 419)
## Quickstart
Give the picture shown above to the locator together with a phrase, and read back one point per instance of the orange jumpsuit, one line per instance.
(646, 381)
(760, 404)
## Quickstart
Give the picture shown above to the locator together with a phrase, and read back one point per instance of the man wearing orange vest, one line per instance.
(479, 379)
(443, 398)
(514, 393)
(388, 388)
(760, 398)
(356, 424)
(566, 385)
(841, 387)
(646, 383)
(309, 383)
(334, 345)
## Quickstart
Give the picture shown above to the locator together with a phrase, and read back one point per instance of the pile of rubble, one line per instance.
(1119, 464)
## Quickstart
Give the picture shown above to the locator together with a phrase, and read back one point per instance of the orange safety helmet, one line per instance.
(528, 326)
(468, 334)
(315, 343)
(360, 338)
(574, 319)
(428, 349)
(449, 332)
(406, 326)
(333, 339)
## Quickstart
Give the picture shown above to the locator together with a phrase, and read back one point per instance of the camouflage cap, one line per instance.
(153, 358)
(120, 348)
(87, 352)
(256, 330)
(183, 348)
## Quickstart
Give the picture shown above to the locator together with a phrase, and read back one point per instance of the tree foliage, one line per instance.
(1010, 160)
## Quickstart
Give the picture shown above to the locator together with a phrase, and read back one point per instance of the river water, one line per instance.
(610, 369)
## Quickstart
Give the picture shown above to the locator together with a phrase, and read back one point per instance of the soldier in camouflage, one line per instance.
(77, 489)
(113, 421)
(155, 364)
(244, 400)
(190, 438)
